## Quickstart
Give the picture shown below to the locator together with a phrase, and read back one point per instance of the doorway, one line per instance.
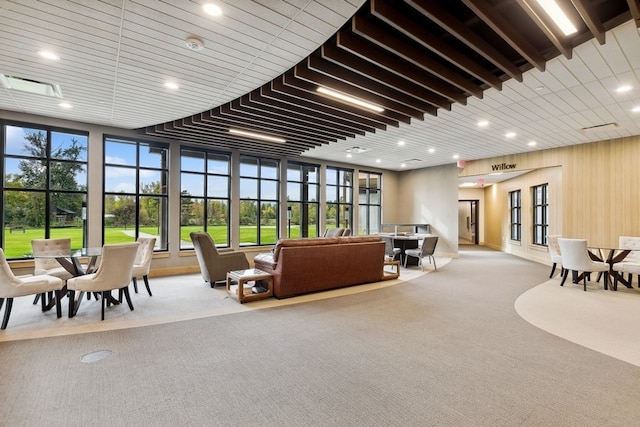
(468, 222)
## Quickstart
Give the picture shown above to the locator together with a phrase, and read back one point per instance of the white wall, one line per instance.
(430, 196)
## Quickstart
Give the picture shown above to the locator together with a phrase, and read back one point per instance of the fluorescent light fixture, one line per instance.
(558, 16)
(257, 136)
(47, 54)
(30, 86)
(350, 99)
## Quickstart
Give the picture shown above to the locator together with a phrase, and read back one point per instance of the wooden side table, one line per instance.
(237, 280)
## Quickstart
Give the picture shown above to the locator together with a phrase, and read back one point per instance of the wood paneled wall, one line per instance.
(594, 193)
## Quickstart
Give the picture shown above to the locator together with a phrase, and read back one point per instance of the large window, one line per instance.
(339, 197)
(303, 194)
(44, 189)
(204, 195)
(515, 207)
(259, 185)
(135, 191)
(540, 214)
(370, 202)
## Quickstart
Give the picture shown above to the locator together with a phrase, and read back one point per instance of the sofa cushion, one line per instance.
(266, 258)
(358, 239)
(314, 241)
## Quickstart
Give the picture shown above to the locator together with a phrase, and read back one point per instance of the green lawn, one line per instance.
(17, 243)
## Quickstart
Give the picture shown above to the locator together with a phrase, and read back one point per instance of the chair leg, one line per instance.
(564, 277)
(146, 283)
(58, 303)
(553, 270)
(36, 299)
(435, 267)
(104, 301)
(7, 313)
(125, 291)
(135, 285)
(73, 304)
(1, 303)
(584, 281)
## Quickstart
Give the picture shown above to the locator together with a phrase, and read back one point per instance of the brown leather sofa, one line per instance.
(301, 266)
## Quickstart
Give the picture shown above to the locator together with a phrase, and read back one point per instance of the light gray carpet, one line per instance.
(445, 349)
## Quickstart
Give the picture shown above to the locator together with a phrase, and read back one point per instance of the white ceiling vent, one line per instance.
(356, 150)
(599, 128)
(412, 161)
(30, 86)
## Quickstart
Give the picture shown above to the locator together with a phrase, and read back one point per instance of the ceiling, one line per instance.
(436, 67)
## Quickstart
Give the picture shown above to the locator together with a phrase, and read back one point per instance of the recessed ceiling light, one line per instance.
(558, 16)
(47, 54)
(468, 184)
(510, 135)
(171, 85)
(212, 9)
(378, 161)
(538, 88)
(257, 135)
(401, 143)
(431, 150)
(194, 44)
(636, 109)
(532, 143)
(624, 88)
(455, 156)
(483, 123)
(349, 99)
(402, 165)
(349, 155)
(65, 105)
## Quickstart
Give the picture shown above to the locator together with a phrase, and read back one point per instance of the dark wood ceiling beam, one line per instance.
(535, 14)
(216, 142)
(358, 65)
(290, 126)
(634, 8)
(382, 58)
(590, 17)
(254, 101)
(446, 20)
(373, 33)
(310, 93)
(504, 29)
(392, 109)
(296, 120)
(327, 68)
(204, 131)
(217, 117)
(396, 19)
(279, 92)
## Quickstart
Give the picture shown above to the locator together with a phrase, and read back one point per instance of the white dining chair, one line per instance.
(12, 287)
(142, 264)
(555, 253)
(114, 273)
(631, 263)
(575, 257)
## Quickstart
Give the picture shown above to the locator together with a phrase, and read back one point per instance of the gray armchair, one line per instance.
(214, 265)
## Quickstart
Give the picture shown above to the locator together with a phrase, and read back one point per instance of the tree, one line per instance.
(60, 172)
